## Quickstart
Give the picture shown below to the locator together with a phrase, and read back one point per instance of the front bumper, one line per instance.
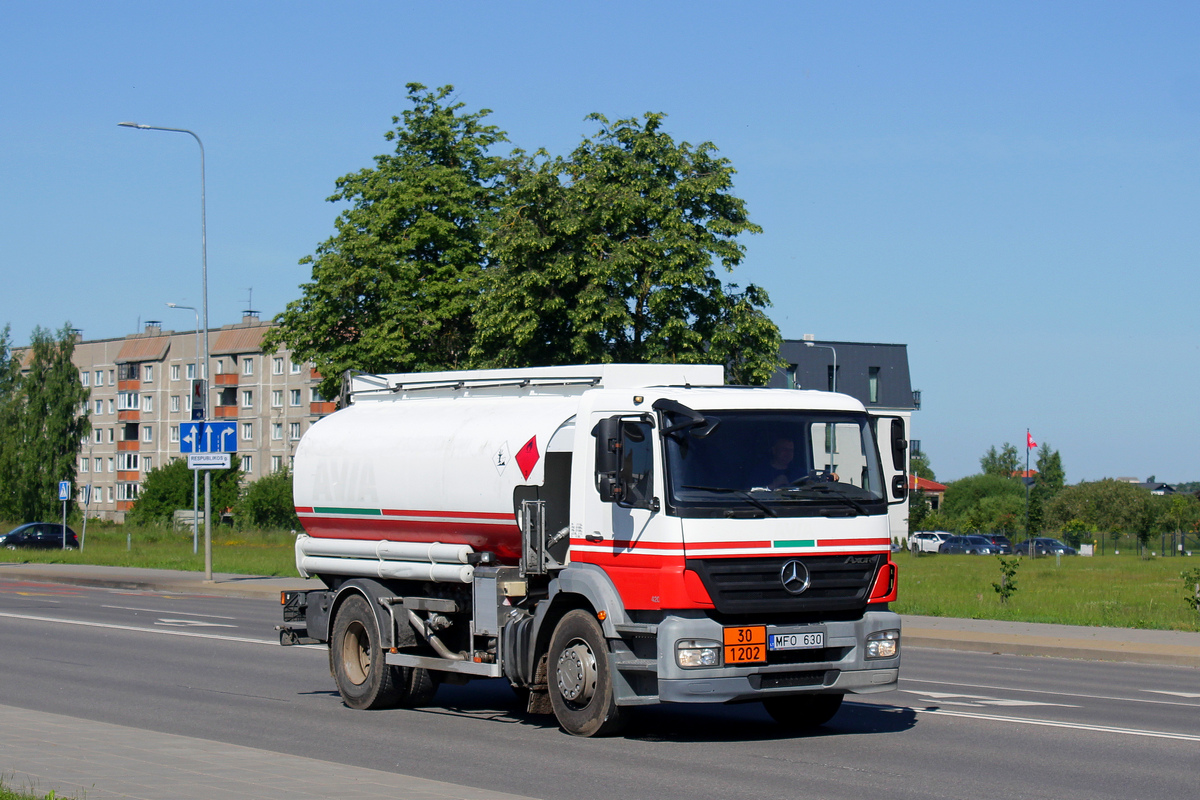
(841, 666)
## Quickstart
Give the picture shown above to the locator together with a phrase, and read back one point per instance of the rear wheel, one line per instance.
(580, 679)
(363, 679)
(803, 712)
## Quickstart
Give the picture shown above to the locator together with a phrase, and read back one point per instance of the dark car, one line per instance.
(997, 540)
(1044, 546)
(968, 545)
(41, 535)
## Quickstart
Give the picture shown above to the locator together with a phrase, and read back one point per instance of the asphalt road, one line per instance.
(964, 725)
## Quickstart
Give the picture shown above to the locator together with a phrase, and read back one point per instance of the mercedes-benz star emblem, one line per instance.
(794, 577)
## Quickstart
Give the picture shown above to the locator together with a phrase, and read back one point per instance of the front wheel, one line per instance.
(580, 679)
(805, 711)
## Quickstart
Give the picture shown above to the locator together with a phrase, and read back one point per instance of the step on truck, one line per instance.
(601, 537)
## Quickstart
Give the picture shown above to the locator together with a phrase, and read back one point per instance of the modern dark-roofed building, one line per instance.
(875, 374)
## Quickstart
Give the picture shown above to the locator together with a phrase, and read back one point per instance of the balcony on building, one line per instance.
(322, 408)
(226, 379)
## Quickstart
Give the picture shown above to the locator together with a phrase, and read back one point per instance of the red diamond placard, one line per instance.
(527, 457)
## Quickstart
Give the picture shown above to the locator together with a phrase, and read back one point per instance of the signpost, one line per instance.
(64, 494)
(208, 446)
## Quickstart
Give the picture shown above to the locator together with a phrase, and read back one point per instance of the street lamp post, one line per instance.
(830, 348)
(830, 430)
(195, 473)
(204, 294)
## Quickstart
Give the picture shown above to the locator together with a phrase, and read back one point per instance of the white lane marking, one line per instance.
(160, 631)
(1174, 694)
(173, 611)
(978, 701)
(1043, 723)
(1046, 692)
(192, 623)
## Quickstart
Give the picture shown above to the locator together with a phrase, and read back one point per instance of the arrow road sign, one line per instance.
(220, 437)
(189, 437)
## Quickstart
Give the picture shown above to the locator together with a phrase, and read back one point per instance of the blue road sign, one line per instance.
(189, 437)
(64, 490)
(220, 437)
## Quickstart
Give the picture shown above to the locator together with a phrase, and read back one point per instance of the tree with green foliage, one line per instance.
(964, 496)
(607, 256)
(10, 375)
(1107, 505)
(267, 503)
(394, 289)
(1005, 463)
(918, 464)
(168, 488)
(1048, 482)
(46, 421)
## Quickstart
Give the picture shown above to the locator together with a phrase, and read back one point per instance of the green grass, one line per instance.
(1123, 591)
(8, 793)
(241, 552)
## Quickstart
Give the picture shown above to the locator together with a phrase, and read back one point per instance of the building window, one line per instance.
(247, 398)
(112, 464)
(147, 373)
(174, 372)
(99, 377)
(247, 366)
(316, 395)
(127, 462)
(174, 404)
(832, 375)
(127, 401)
(148, 403)
(147, 433)
(295, 368)
(295, 398)
(126, 372)
(112, 404)
(174, 433)
(247, 431)
(276, 463)
(247, 463)
(84, 463)
(147, 464)
(294, 431)
(791, 376)
(99, 407)
(85, 377)
(873, 384)
(110, 435)
(277, 398)
(97, 464)
(99, 434)
(110, 494)
(220, 366)
(127, 491)
(277, 366)
(276, 430)
(190, 372)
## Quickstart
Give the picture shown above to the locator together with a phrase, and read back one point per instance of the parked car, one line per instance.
(926, 541)
(969, 545)
(1044, 546)
(40, 535)
(996, 539)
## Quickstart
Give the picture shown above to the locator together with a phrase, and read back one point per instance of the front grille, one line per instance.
(753, 585)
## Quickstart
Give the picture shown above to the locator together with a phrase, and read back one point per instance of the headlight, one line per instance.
(692, 653)
(885, 644)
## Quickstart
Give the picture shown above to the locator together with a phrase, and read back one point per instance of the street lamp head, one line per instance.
(131, 125)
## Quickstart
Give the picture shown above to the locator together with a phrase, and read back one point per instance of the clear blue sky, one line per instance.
(1012, 189)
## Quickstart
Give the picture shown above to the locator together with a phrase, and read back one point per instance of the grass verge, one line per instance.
(1111, 591)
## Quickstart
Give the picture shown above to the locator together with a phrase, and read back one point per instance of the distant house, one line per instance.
(934, 492)
(1155, 487)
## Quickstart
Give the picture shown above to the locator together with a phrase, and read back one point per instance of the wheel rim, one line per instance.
(356, 653)
(576, 673)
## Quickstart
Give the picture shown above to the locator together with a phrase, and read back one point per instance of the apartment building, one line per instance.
(141, 393)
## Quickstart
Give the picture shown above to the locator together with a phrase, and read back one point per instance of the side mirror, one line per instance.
(608, 458)
(899, 460)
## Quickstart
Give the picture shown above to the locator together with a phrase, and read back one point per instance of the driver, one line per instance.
(781, 469)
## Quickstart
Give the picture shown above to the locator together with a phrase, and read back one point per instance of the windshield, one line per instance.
(774, 463)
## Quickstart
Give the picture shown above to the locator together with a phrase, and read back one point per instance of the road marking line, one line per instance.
(173, 611)
(1044, 691)
(192, 623)
(160, 631)
(977, 700)
(1078, 726)
(1174, 694)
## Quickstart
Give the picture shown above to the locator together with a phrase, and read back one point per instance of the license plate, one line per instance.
(796, 641)
(746, 645)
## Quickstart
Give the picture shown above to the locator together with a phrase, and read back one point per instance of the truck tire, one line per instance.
(363, 679)
(580, 679)
(805, 711)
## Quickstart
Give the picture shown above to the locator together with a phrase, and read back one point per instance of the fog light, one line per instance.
(692, 653)
(885, 644)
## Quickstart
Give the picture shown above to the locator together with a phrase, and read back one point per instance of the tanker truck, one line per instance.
(601, 537)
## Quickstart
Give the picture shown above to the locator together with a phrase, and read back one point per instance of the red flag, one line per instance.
(1030, 443)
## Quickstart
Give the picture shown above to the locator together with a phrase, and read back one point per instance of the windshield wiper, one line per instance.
(827, 490)
(749, 498)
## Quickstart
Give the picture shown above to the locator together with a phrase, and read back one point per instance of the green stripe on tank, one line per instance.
(369, 512)
(796, 543)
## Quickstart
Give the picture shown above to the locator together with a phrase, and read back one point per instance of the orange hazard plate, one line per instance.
(746, 645)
